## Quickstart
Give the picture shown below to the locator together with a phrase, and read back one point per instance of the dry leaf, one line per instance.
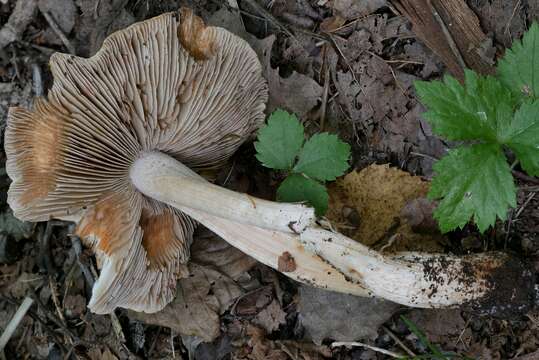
(200, 298)
(297, 93)
(418, 213)
(329, 315)
(258, 347)
(271, 317)
(445, 327)
(332, 23)
(378, 193)
(210, 250)
(352, 9)
(63, 12)
(253, 302)
(99, 353)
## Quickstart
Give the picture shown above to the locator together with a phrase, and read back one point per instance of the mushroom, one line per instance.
(116, 148)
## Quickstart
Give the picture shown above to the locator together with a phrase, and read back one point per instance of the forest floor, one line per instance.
(343, 66)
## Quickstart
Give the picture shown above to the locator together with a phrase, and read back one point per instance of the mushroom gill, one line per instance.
(167, 84)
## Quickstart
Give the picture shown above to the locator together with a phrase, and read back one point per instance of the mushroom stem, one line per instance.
(268, 231)
(483, 282)
(163, 178)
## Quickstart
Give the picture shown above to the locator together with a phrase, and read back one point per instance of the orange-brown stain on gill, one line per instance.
(195, 36)
(40, 141)
(159, 239)
(108, 220)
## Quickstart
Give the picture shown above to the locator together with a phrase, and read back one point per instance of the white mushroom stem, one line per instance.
(267, 231)
(268, 246)
(165, 179)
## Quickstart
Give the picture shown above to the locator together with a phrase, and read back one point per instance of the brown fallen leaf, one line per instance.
(296, 93)
(271, 317)
(64, 14)
(445, 327)
(262, 348)
(200, 299)
(255, 346)
(332, 23)
(352, 9)
(329, 315)
(378, 194)
(101, 353)
(418, 214)
(253, 302)
(210, 250)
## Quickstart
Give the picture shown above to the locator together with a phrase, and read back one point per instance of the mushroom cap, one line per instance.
(167, 84)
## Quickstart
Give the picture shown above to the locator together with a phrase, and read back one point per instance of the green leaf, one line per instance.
(323, 157)
(519, 68)
(279, 141)
(298, 188)
(470, 112)
(472, 181)
(523, 137)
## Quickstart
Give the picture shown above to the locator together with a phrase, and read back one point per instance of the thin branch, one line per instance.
(58, 31)
(373, 348)
(15, 321)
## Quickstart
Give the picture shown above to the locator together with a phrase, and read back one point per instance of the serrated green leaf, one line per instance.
(297, 188)
(279, 141)
(469, 112)
(323, 157)
(523, 136)
(519, 68)
(473, 181)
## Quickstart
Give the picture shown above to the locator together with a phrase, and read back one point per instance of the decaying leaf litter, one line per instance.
(356, 79)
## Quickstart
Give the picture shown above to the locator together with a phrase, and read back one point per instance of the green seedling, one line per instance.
(492, 116)
(308, 163)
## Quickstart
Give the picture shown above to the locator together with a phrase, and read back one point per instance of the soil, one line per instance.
(342, 66)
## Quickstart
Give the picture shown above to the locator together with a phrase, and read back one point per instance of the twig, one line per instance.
(37, 80)
(15, 321)
(323, 107)
(54, 319)
(424, 156)
(373, 348)
(19, 19)
(530, 197)
(507, 31)
(45, 261)
(267, 15)
(77, 247)
(117, 327)
(54, 295)
(152, 346)
(43, 323)
(45, 50)
(398, 341)
(54, 26)
(448, 37)
(525, 177)
(172, 343)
